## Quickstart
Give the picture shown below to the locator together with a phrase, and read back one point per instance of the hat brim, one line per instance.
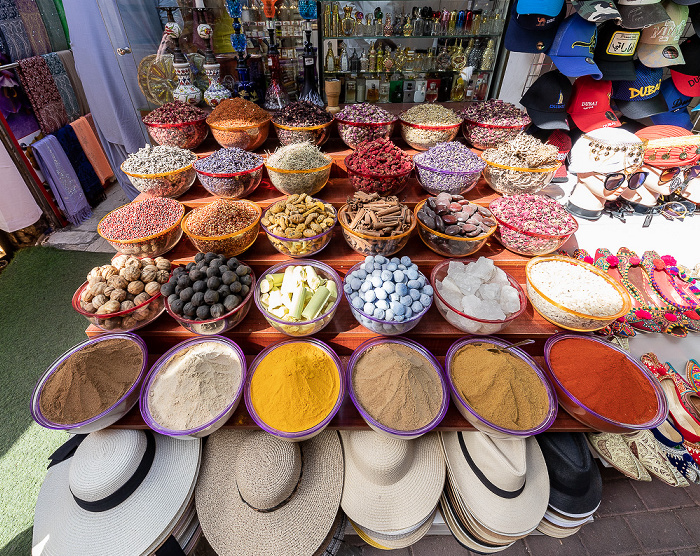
(548, 528)
(396, 542)
(638, 109)
(518, 39)
(689, 85)
(617, 71)
(548, 120)
(681, 118)
(136, 526)
(639, 17)
(576, 66)
(594, 15)
(588, 121)
(550, 9)
(299, 527)
(659, 55)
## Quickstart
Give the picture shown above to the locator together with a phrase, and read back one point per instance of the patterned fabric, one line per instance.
(8, 10)
(58, 4)
(15, 41)
(34, 24)
(66, 57)
(53, 25)
(14, 105)
(43, 94)
(63, 84)
(64, 184)
(93, 149)
(83, 169)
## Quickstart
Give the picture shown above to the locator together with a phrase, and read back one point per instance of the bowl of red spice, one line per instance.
(379, 166)
(177, 124)
(236, 122)
(601, 386)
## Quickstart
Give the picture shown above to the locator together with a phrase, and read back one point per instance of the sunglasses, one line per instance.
(617, 179)
(689, 173)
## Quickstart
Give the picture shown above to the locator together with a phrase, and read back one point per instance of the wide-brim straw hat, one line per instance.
(391, 484)
(109, 463)
(260, 495)
(503, 482)
(551, 530)
(395, 541)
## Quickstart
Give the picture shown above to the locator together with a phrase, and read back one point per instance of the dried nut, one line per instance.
(94, 273)
(108, 291)
(135, 287)
(141, 314)
(152, 288)
(118, 282)
(141, 298)
(87, 295)
(119, 261)
(96, 279)
(162, 276)
(126, 305)
(108, 270)
(133, 261)
(130, 296)
(98, 301)
(89, 307)
(148, 274)
(111, 306)
(129, 322)
(162, 264)
(147, 261)
(103, 311)
(110, 324)
(98, 288)
(118, 295)
(131, 273)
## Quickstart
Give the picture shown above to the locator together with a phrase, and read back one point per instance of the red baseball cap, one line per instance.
(686, 77)
(562, 141)
(589, 106)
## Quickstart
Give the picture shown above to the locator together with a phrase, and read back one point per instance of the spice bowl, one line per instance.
(296, 248)
(316, 135)
(529, 244)
(167, 184)
(186, 135)
(579, 411)
(436, 181)
(370, 245)
(373, 423)
(477, 420)
(229, 245)
(468, 323)
(423, 137)
(384, 184)
(484, 136)
(214, 424)
(248, 137)
(354, 133)
(109, 416)
(511, 180)
(307, 434)
(292, 182)
(237, 185)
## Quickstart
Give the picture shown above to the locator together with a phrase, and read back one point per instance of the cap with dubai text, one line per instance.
(532, 33)
(614, 51)
(546, 100)
(589, 106)
(573, 48)
(637, 14)
(686, 77)
(677, 107)
(659, 46)
(596, 11)
(640, 97)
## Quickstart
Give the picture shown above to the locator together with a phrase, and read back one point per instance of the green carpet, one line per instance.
(37, 324)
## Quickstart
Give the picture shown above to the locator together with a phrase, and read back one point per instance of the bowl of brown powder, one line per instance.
(92, 385)
(503, 394)
(398, 387)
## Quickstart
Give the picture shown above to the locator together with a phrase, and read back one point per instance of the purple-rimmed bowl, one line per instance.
(110, 415)
(207, 428)
(235, 185)
(299, 436)
(454, 182)
(579, 411)
(302, 247)
(376, 425)
(477, 420)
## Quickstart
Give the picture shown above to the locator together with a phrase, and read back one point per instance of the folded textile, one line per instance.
(64, 184)
(43, 94)
(66, 57)
(63, 84)
(8, 9)
(87, 177)
(58, 4)
(53, 25)
(93, 149)
(34, 24)
(14, 39)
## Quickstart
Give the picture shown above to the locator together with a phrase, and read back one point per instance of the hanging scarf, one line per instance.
(93, 149)
(63, 84)
(58, 4)
(43, 94)
(64, 184)
(14, 40)
(68, 61)
(52, 24)
(34, 24)
(83, 169)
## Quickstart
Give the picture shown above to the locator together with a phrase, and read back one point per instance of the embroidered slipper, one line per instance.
(691, 398)
(687, 291)
(614, 450)
(693, 450)
(664, 283)
(645, 448)
(670, 441)
(692, 374)
(684, 283)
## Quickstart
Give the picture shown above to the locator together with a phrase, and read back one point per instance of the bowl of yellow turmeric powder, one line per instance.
(294, 388)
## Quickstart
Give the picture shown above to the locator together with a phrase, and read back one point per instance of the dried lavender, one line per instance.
(450, 167)
(158, 160)
(228, 161)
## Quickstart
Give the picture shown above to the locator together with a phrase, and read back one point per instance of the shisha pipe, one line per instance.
(276, 97)
(216, 92)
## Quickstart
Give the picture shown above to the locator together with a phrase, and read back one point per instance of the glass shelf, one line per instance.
(392, 37)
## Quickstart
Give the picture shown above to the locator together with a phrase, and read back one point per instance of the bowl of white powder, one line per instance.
(193, 389)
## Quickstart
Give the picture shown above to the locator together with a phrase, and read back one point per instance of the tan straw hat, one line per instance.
(502, 481)
(258, 494)
(390, 484)
(399, 540)
(556, 531)
(120, 492)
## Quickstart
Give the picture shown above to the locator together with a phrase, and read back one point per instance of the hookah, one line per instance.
(185, 90)
(309, 91)
(216, 91)
(276, 97)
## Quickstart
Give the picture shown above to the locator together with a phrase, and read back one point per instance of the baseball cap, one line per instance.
(531, 33)
(686, 77)
(677, 107)
(637, 14)
(614, 51)
(694, 15)
(546, 100)
(573, 47)
(596, 11)
(658, 46)
(541, 7)
(561, 140)
(589, 106)
(640, 98)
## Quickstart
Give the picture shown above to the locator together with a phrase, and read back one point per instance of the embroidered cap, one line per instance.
(614, 51)
(531, 33)
(546, 100)
(542, 7)
(677, 107)
(637, 14)
(686, 77)
(573, 48)
(640, 98)
(659, 46)
(596, 11)
(589, 106)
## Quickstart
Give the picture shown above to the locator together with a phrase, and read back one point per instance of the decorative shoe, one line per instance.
(692, 374)
(666, 286)
(670, 441)
(645, 448)
(685, 285)
(690, 396)
(613, 449)
(693, 450)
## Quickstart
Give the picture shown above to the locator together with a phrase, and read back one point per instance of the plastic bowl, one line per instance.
(167, 184)
(384, 184)
(214, 424)
(477, 420)
(186, 135)
(436, 181)
(296, 182)
(308, 327)
(459, 319)
(107, 417)
(247, 138)
(370, 245)
(317, 134)
(354, 133)
(229, 245)
(297, 248)
(237, 185)
(566, 318)
(449, 246)
(511, 180)
(485, 136)
(378, 326)
(579, 411)
(299, 436)
(376, 425)
(529, 244)
(219, 325)
(423, 137)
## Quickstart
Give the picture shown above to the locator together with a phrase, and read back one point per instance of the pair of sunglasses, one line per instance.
(617, 179)
(689, 173)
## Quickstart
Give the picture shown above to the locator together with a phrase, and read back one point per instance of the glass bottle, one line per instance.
(421, 88)
(396, 87)
(388, 60)
(344, 62)
(475, 55)
(384, 89)
(329, 64)
(364, 61)
(309, 91)
(436, 24)
(327, 19)
(380, 59)
(461, 19)
(489, 56)
(351, 89)
(410, 64)
(445, 88)
(469, 92)
(276, 97)
(457, 93)
(354, 62)
(476, 22)
(388, 27)
(359, 28)
(397, 30)
(336, 30)
(452, 23)
(431, 92)
(373, 90)
(469, 49)
(361, 90)
(407, 28)
(372, 59)
(418, 23)
(378, 28)
(443, 60)
(348, 23)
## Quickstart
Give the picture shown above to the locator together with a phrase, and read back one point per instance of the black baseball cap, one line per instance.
(614, 51)
(694, 16)
(532, 33)
(546, 100)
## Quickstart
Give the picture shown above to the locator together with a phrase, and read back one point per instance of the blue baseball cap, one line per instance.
(677, 107)
(531, 33)
(573, 48)
(640, 98)
(541, 7)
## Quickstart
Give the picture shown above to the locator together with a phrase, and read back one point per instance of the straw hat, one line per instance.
(502, 482)
(395, 541)
(586, 155)
(104, 472)
(391, 484)
(258, 494)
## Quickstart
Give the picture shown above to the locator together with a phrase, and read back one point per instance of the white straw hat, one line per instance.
(258, 494)
(400, 540)
(121, 492)
(551, 530)
(586, 149)
(502, 481)
(390, 484)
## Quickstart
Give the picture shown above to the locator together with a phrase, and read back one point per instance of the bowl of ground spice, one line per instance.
(230, 173)
(601, 386)
(161, 171)
(426, 125)
(397, 386)
(92, 385)
(193, 389)
(177, 124)
(303, 121)
(237, 122)
(501, 393)
(224, 226)
(299, 168)
(294, 388)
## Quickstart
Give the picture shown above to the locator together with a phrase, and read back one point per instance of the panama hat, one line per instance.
(114, 492)
(548, 528)
(395, 541)
(391, 484)
(258, 494)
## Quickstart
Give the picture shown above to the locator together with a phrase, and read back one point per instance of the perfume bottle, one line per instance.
(388, 27)
(335, 18)
(359, 28)
(364, 62)
(380, 59)
(348, 23)
(431, 92)
(344, 62)
(384, 89)
(396, 87)
(407, 29)
(388, 60)
(378, 28)
(328, 19)
(361, 90)
(420, 89)
(475, 55)
(354, 62)
(329, 65)
(397, 29)
(444, 22)
(459, 60)
(351, 89)
(309, 91)
(443, 60)
(417, 23)
(489, 56)
(373, 90)
(452, 23)
(457, 93)
(372, 59)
